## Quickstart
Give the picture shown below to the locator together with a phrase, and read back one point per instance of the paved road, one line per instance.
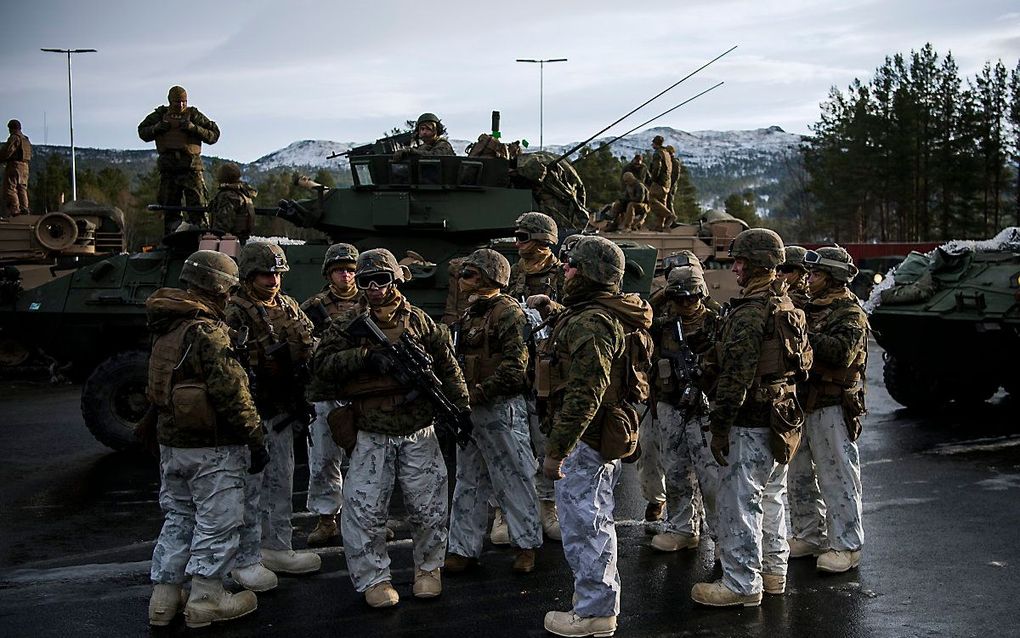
(941, 559)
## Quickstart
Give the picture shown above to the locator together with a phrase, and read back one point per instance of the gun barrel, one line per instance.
(177, 209)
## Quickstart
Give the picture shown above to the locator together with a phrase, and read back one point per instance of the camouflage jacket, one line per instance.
(699, 332)
(661, 170)
(232, 209)
(16, 149)
(549, 281)
(440, 146)
(640, 171)
(339, 366)
(838, 332)
(491, 348)
(209, 358)
(205, 130)
(739, 399)
(636, 193)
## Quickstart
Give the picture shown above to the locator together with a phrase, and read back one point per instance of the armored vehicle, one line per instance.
(949, 322)
(426, 210)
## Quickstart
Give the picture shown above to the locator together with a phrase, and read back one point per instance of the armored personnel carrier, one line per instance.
(426, 210)
(949, 322)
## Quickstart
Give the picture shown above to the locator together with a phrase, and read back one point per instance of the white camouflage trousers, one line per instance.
(752, 519)
(378, 462)
(497, 462)
(585, 502)
(543, 486)
(649, 466)
(202, 495)
(691, 473)
(269, 497)
(325, 483)
(827, 512)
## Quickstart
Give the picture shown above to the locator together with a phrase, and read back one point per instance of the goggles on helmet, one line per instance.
(813, 259)
(468, 273)
(678, 261)
(522, 236)
(378, 279)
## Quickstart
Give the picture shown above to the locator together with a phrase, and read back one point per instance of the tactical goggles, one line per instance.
(573, 263)
(813, 259)
(677, 261)
(378, 279)
(522, 236)
(468, 274)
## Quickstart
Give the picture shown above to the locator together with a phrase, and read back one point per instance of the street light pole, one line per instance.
(70, 112)
(541, 95)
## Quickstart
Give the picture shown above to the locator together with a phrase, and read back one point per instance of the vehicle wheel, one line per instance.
(113, 399)
(911, 385)
(974, 390)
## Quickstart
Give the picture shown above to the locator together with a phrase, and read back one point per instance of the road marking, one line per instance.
(977, 445)
(874, 506)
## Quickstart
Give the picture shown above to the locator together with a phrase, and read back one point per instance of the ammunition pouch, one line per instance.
(190, 407)
(786, 422)
(343, 427)
(853, 410)
(618, 426)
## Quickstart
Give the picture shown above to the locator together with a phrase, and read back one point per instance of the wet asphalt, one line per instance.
(942, 551)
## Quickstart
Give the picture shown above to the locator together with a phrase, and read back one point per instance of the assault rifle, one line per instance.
(383, 146)
(411, 366)
(687, 372)
(296, 376)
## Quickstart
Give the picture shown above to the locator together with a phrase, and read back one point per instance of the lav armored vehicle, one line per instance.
(427, 210)
(949, 322)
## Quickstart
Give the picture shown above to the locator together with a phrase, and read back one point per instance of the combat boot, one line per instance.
(567, 623)
(773, 584)
(837, 562)
(500, 534)
(166, 601)
(455, 563)
(803, 549)
(718, 595)
(550, 520)
(209, 603)
(525, 561)
(288, 561)
(255, 578)
(324, 532)
(653, 511)
(381, 595)
(427, 584)
(670, 542)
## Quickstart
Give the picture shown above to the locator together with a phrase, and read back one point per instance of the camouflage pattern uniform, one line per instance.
(439, 145)
(232, 208)
(179, 144)
(795, 273)
(396, 440)
(17, 153)
(660, 176)
(629, 211)
(559, 191)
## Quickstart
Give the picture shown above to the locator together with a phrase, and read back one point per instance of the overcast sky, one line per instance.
(270, 73)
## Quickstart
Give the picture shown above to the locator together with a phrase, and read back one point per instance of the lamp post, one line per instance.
(70, 111)
(541, 97)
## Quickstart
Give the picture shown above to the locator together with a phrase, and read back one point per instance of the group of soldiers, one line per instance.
(744, 401)
(647, 192)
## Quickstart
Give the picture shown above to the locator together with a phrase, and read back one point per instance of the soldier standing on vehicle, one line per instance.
(232, 208)
(325, 482)
(537, 272)
(831, 526)
(429, 139)
(761, 350)
(660, 177)
(691, 474)
(278, 349)
(637, 167)
(795, 274)
(179, 130)
(206, 420)
(629, 211)
(498, 461)
(584, 381)
(396, 440)
(16, 153)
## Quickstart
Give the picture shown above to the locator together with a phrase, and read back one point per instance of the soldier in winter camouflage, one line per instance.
(277, 351)
(205, 426)
(232, 208)
(581, 379)
(825, 476)
(396, 439)
(795, 274)
(325, 482)
(16, 153)
(179, 130)
(498, 461)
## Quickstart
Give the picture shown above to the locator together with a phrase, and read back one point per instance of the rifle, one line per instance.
(297, 377)
(684, 365)
(411, 366)
(382, 146)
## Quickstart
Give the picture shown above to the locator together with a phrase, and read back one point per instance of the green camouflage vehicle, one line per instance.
(949, 322)
(426, 210)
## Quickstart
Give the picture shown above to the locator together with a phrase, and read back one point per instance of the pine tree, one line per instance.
(685, 200)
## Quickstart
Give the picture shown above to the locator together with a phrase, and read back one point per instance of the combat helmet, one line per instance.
(538, 226)
(493, 265)
(568, 244)
(598, 259)
(228, 173)
(261, 256)
(430, 117)
(794, 259)
(338, 253)
(681, 259)
(211, 271)
(686, 281)
(761, 247)
(833, 260)
(376, 262)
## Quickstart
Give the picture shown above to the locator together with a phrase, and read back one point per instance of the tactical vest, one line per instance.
(371, 390)
(786, 354)
(24, 152)
(177, 139)
(699, 335)
(826, 385)
(540, 283)
(184, 400)
(478, 360)
(332, 306)
(275, 324)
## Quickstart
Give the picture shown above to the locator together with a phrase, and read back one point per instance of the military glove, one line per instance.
(464, 427)
(720, 446)
(188, 126)
(259, 459)
(552, 468)
(376, 361)
(161, 127)
(477, 395)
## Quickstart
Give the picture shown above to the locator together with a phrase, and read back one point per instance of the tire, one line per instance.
(113, 399)
(911, 385)
(974, 390)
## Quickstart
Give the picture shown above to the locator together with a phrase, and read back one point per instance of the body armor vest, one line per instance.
(478, 360)
(275, 324)
(184, 400)
(177, 139)
(371, 390)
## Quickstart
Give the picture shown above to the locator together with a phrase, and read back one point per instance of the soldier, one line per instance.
(498, 461)
(17, 153)
(584, 375)
(395, 439)
(660, 176)
(206, 419)
(325, 483)
(795, 274)
(232, 208)
(537, 272)
(831, 527)
(637, 167)
(690, 472)
(755, 387)
(179, 130)
(630, 210)
(674, 177)
(277, 352)
(429, 139)
(557, 188)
